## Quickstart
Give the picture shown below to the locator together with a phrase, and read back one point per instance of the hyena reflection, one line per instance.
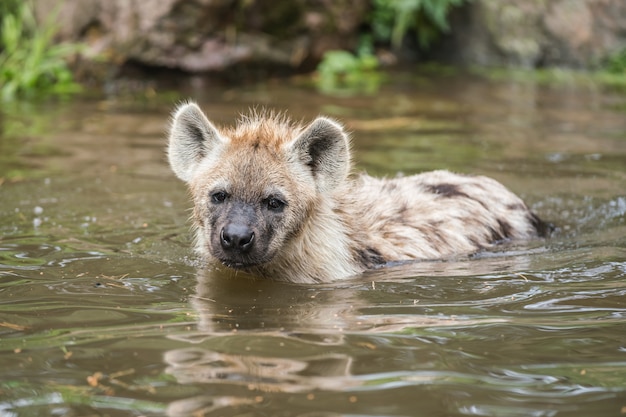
(277, 199)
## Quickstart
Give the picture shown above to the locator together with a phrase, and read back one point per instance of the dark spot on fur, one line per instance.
(370, 257)
(505, 228)
(479, 185)
(453, 191)
(501, 233)
(446, 190)
(399, 215)
(495, 235)
(437, 239)
(544, 229)
(516, 206)
(476, 243)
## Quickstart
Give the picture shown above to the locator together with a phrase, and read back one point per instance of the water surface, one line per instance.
(105, 311)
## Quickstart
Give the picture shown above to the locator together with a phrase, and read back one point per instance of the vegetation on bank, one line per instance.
(31, 62)
(389, 23)
(392, 20)
(616, 64)
(422, 22)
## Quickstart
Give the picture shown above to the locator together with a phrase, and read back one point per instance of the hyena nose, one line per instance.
(237, 236)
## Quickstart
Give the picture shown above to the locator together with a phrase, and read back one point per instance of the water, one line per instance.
(105, 311)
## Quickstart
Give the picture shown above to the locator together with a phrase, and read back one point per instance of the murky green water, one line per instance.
(104, 312)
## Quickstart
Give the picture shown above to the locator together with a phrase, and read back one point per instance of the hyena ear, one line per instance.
(191, 138)
(324, 148)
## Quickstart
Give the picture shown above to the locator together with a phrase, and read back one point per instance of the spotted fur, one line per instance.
(277, 199)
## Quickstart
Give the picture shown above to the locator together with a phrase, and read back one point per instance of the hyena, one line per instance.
(278, 199)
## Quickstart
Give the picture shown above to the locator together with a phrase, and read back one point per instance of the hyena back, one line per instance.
(277, 199)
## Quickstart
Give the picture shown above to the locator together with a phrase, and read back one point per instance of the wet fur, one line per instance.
(333, 224)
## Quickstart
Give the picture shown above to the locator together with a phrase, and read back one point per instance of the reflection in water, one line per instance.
(238, 316)
(205, 405)
(329, 372)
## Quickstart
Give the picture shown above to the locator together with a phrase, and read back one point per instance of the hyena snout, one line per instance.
(237, 237)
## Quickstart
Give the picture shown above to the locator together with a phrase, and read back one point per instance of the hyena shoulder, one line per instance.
(277, 199)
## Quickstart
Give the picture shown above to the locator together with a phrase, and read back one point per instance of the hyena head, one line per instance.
(254, 186)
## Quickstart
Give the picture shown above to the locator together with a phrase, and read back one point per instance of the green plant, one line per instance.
(344, 73)
(391, 20)
(616, 64)
(30, 62)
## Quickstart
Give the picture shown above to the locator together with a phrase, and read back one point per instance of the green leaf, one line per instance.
(30, 62)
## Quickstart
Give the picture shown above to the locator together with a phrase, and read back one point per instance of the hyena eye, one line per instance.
(275, 204)
(218, 197)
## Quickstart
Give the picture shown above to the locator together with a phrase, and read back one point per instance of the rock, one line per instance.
(217, 35)
(208, 35)
(537, 33)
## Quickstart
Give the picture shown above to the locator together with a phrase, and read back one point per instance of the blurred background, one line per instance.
(54, 46)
